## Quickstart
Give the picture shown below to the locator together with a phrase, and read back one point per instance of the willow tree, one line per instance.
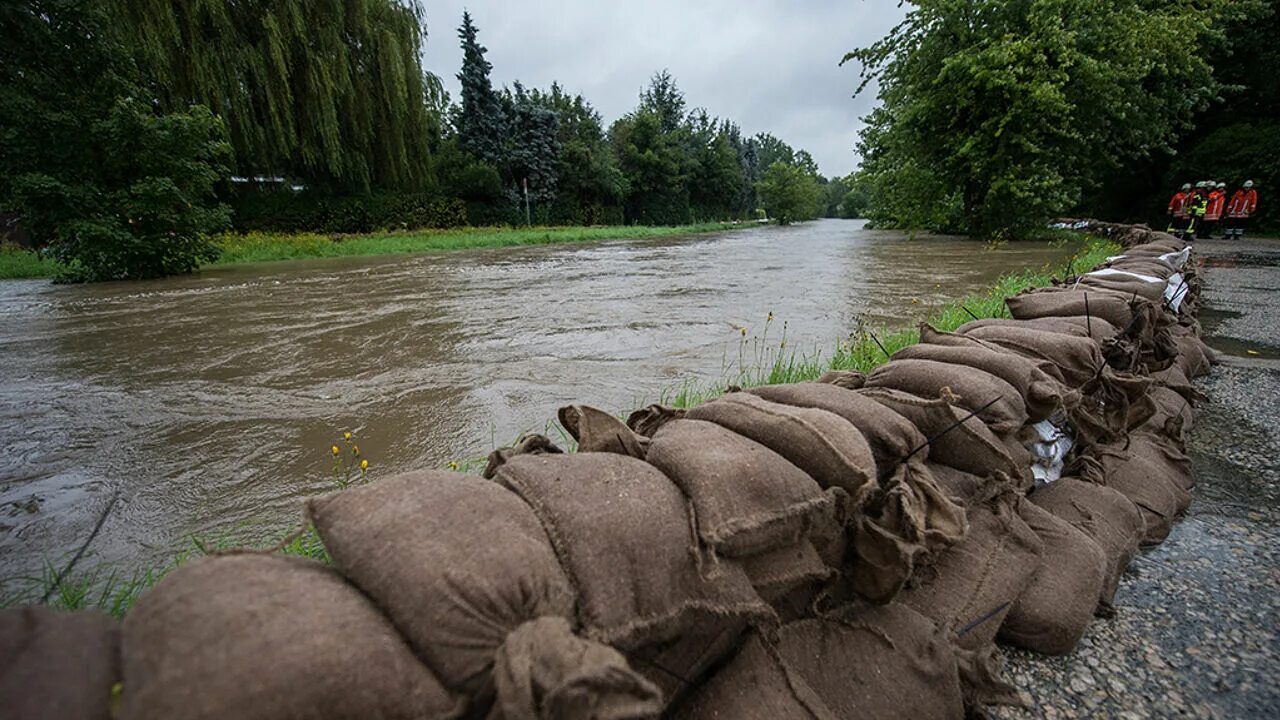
(332, 91)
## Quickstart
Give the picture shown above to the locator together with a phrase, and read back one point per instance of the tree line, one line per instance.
(132, 129)
(996, 115)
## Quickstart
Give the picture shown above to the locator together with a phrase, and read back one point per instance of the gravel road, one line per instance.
(1198, 616)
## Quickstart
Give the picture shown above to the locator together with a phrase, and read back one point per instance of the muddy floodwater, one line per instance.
(208, 404)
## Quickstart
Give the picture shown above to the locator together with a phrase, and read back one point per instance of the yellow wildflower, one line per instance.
(346, 436)
(744, 332)
(453, 464)
(770, 317)
(334, 450)
(355, 450)
(915, 301)
(364, 465)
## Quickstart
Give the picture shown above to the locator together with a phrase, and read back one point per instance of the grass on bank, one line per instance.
(760, 361)
(17, 263)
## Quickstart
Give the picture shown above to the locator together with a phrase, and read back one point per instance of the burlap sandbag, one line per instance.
(57, 664)
(457, 562)
(1056, 302)
(545, 672)
(826, 446)
(891, 436)
(1157, 498)
(1125, 286)
(1193, 356)
(955, 438)
(1042, 395)
(1102, 513)
(1175, 379)
(790, 579)
(623, 534)
(847, 379)
(997, 403)
(1152, 266)
(1174, 464)
(1079, 359)
(972, 586)
(269, 637)
(1074, 325)
(858, 661)
(746, 498)
(647, 420)
(1054, 611)
(1174, 416)
(533, 444)
(962, 487)
(598, 431)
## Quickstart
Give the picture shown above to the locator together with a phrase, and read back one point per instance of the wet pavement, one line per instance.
(209, 402)
(1196, 634)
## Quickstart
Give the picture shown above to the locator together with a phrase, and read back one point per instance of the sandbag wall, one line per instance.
(850, 547)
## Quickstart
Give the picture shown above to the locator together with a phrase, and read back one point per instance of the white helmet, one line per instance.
(1248, 184)
(1186, 186)
(1222, 186)
(1200, 184)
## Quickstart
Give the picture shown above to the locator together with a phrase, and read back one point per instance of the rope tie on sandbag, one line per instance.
(967, 312)
(929, 441)
(992, 613)
(876, 340)
(97, 528)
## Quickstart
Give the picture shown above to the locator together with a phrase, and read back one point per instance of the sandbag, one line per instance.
(826, 446)
(1153, 266)
(1056, 302)
(598, 431)
(1124, 286)
(544, 672)
(1174, 465)
(1157, 498)
(859, 661)
(1175, 379)
(455, 561)
(1078, 358)
(532, 444)
(1102, 513)
(1054, 611)
(622, 532)
(1193, 356)
(57, 664)
(1075, 325)
(962, 487)
(995, 401)
(963, 442)
(788, 578)
(891, 436)
(1174, 416)
(972, 586)
(1042, 395)
(269, 637)
(746, 498)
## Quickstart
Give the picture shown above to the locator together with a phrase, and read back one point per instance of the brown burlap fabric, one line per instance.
(1157, 498)
(528, 445)
(1079, 359)
(457, 562)
(1057, 302)
(746, 498)
(964, 444)
(1074, 325)
(858, 661)
(57, 664)
(1102, 513)
(1054, 611)
(269, 637)
(598, 431)
(624, 536)
(972, 586)
(997, 403)
(544, 672)
(890, 435)
(826, 446)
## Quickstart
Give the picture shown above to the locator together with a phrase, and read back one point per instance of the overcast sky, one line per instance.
(769, 66)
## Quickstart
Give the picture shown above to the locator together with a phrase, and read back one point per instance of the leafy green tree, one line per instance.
(995, 113)
(480, 121)
(591, 186)
(532, 152)
(116, 189)
(790, 193)
(662, 98)
(716, 177)
(330, 91)
(652, 163)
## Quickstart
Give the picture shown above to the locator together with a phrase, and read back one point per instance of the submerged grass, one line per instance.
(760, 361)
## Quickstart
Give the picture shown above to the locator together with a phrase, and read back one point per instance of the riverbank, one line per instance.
(764, 355)
(258, 247)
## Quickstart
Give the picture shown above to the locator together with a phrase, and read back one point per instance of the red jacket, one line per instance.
(1178, 204)
(1243, 204)
(1217, 199)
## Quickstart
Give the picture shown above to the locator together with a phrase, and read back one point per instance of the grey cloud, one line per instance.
(770, 66)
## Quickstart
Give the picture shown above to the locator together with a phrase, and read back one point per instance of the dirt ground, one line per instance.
(1196, 632)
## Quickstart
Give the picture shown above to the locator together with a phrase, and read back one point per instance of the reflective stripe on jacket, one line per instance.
(1178, 204)
(1217, 200)
(1243, 204)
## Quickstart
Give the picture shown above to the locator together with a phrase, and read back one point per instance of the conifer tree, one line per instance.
(480, 120)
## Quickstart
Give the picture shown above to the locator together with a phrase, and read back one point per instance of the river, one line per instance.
(208, 403)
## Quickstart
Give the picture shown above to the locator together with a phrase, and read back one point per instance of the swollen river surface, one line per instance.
(209, 403)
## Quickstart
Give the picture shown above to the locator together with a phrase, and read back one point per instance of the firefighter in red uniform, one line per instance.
(1196, 204)
(1243, 204)
(1178, 208)
(1213, 211)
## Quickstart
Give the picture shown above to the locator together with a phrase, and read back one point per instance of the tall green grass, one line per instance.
(17, 264)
